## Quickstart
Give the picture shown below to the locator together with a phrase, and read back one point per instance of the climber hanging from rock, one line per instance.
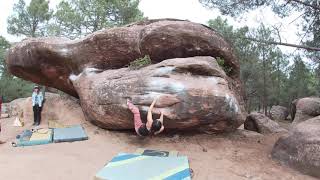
(151, 126)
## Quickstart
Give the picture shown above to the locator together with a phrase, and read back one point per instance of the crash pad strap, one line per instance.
(159, 153)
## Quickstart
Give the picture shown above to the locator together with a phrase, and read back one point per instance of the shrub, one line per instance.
(225, 67)
(12, 88)
(141, 62)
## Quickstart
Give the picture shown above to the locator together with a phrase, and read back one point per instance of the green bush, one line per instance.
(141, 62)
(12, 88)
(222, 64)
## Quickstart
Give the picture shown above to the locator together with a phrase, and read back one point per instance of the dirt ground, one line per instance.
(226, 157)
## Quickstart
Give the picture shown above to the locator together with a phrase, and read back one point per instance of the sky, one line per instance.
(182, 9)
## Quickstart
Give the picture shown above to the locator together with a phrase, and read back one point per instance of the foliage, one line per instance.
(265, 70)
(300, 81)
(141, 62)
(282, 8)
(76, 18)
(227, 69)
(4, 45)
(12, 88)
(309, 16)
(30, 21)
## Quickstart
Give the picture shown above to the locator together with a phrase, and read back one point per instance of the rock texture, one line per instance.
(4, 108)
(304, 109)
(56, 107)
(50, 61)
(194, 91)
(300, 149)
(260, 123)
(279, 113)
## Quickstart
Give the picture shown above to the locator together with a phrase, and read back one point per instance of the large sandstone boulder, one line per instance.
(300, 149)
(304, 109)
(279, 113)
(260, 123)
(56, 107)
(194, 91)
(50, 61)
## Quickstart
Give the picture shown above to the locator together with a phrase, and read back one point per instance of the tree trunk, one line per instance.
(279, 82)
(264, 98)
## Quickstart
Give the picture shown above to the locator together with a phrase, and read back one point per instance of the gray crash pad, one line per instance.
(69, 134)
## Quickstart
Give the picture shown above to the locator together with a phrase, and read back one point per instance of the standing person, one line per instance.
(37, 100)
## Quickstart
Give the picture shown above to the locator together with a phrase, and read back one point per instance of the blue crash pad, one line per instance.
(28, 138)
(69, 134)
(139, 167)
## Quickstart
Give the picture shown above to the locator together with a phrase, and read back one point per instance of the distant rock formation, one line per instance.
(260, 123)
(279, 113)
(305, 108)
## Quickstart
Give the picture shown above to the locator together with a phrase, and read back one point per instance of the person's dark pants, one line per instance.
(36, 114)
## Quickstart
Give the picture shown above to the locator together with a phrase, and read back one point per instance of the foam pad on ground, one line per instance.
(69, 134)
(139, 167)
(41, 136)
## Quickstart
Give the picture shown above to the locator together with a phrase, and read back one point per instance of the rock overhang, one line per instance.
(60, 63)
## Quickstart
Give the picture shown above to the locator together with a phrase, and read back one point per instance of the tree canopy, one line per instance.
(31, 20)
(76, 18)
(309, 14)
(268, 77)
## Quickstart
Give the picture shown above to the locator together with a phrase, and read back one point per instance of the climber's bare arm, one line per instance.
(161, 118)
(149, 117)
(162, 127)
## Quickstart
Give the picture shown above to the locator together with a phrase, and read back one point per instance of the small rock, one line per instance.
(260, 123)
(279, 113)
(304, 109)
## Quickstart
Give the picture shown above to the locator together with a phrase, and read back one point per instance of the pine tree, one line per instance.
(30, 21)
(76, 18)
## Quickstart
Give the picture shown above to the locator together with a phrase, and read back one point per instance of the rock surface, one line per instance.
(305, 108)
(50, 61)
(300, 149)
(279, 113)
(260, 123)
(192, 93)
